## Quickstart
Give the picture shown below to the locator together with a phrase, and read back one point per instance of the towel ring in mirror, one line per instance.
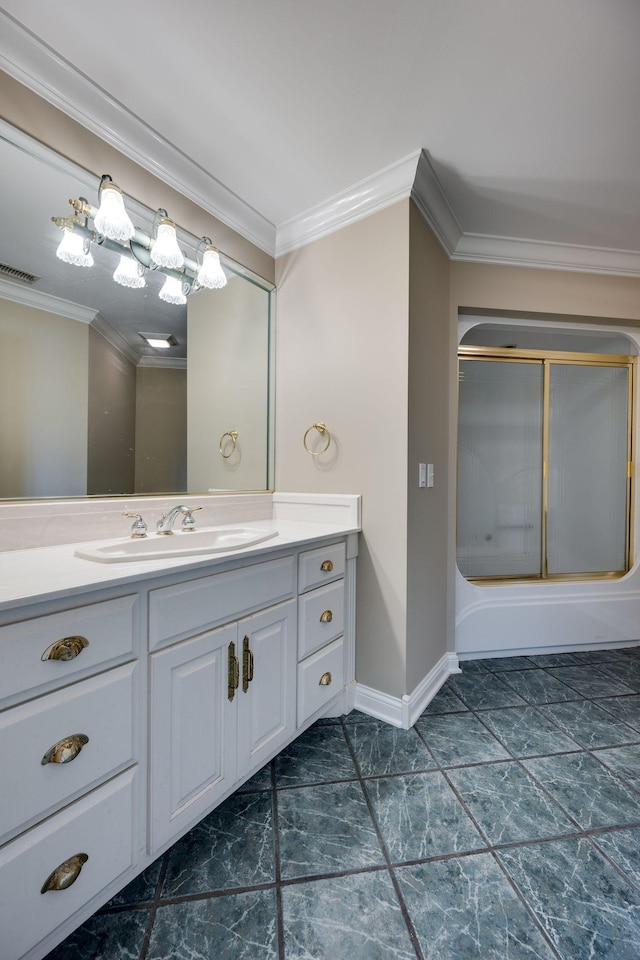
(233, 436)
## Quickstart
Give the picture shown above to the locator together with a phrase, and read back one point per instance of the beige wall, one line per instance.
(341, 357)
(485, 286)
(228, 363)
(111, 419)
(50, 126)
(43, 403)
(161, 430)
(428, 614)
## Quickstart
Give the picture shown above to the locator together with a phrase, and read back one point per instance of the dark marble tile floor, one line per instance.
(504, 826)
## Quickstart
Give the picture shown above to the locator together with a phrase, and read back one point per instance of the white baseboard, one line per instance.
(404, 711)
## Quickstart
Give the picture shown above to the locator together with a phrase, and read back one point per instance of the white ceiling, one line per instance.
(263, 110)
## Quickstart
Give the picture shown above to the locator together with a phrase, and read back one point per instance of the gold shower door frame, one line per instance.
(547, 359)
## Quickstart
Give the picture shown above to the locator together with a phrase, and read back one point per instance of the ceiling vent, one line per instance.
(15, 274)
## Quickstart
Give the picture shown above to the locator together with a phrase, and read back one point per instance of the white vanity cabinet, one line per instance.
(160, 698)
(69, 736)
(321, 612)
(222, 704)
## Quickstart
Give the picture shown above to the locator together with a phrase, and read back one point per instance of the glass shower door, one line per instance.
(500, 435)
(588, 483)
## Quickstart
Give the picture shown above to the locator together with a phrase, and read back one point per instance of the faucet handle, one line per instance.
(138, 527)
(189, 524)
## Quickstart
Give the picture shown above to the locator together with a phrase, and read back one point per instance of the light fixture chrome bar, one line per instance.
(143, 239)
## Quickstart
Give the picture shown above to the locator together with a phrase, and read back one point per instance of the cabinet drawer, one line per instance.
(320, 617)
(316, 567)
(328, 665)
(187, 608)
(108, 627)
(100, 708)
(99, 826)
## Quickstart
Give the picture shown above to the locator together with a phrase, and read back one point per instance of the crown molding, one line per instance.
(18, 293)
(37, 66)
(358, 202)
(513, 251)
(172, 363)
(431, 201)
(115, 338)
(31, 62)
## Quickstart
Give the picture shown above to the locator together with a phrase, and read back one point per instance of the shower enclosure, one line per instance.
(544, 464)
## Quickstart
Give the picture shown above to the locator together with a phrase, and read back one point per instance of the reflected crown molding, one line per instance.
(28, 297)
(27, 59)
(18, 293)
(115, 338)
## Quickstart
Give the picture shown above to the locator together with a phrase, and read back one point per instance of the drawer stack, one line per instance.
(321, 613)
(68, 761)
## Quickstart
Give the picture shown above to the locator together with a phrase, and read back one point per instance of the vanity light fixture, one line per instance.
(165, 251)
(74, 247)
(210, 273)
(112, 220)
(139, 251)
(172, 291)
(129, 273)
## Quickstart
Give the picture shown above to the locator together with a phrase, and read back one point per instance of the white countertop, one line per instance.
(46, 573)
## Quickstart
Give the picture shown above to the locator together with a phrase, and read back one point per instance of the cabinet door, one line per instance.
(267, 702)
(193, 741)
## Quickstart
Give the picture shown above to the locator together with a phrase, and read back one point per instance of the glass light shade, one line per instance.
(165, 251)
(127, 273)
(210, 272)
(112, 220)
(172, 291)
(71, 249)
(158, 344)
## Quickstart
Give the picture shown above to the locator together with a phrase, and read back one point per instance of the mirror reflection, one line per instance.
(87, 405)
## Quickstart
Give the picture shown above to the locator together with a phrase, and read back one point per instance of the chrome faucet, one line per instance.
(166, 521)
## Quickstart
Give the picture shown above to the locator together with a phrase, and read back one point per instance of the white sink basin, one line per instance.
(153, 547)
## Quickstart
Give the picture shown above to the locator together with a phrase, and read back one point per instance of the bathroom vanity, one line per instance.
(136, 696)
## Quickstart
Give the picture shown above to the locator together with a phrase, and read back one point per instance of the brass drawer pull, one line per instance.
(66, 750)
(247, 665)
(66, 649)
(326, 617)
(326, 566)
(66, 874)
(233, 672)
(324, 680)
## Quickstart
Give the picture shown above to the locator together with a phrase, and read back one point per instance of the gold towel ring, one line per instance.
(322, 429)
(233, 434)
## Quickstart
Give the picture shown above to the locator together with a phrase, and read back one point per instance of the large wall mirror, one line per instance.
(87, 406)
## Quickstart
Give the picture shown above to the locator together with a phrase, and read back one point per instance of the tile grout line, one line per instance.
(154, 908)
(413, 936)
(590, 751)
(491, 850)
(276, 854)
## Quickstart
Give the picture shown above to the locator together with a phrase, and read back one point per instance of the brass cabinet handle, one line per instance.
(326, 617)
(66, 649)
(233, 672)
(66, 874)
(326, 566)
(66, 750)
(324, 680)
(247, 665)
